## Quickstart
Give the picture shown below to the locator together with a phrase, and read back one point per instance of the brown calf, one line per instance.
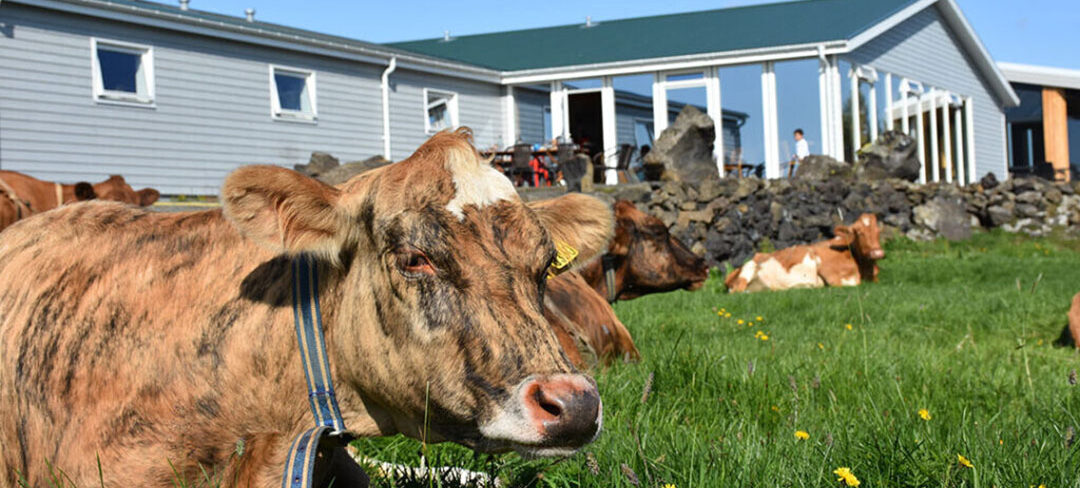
(644, 258)
(161, 341)
(585, 323)
(25, 195)
(845, 260)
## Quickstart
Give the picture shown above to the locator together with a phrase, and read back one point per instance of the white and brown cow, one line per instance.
(845, 260)
(157, 342)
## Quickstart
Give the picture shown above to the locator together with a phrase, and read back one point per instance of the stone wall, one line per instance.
(730, 219)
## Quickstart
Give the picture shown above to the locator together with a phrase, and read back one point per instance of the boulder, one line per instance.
(892, 155)
(685, 149)
(344, 172)
(944, 216)
(819, 167)
(319, 163)
(989, 181)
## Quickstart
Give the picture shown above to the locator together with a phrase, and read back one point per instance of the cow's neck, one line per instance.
(594, 273)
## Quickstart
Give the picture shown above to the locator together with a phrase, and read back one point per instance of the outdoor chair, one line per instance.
(520, 172)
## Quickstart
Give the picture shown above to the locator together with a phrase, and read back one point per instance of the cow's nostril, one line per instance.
(548, 404)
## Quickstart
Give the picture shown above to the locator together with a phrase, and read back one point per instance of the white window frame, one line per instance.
(112, 97)
(278, 113)
(451, 109)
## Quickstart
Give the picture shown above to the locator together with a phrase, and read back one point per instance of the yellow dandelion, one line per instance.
(669, 485)
(964, 461)
(846, 476)
(1001, 442)
(802, 435)
(764, 337)
(821, 346)
(758, 318)
(924, 413)
(775, 408)
(847, 326)
(720, 313)
(727, 315)
(758, 334)
(740, 321)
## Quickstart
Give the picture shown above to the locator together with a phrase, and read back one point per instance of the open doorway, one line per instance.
(587, 121)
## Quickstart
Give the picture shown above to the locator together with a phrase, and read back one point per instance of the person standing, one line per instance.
(802, 150)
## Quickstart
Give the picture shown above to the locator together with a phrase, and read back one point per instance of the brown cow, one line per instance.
(1074, 322)
(27, 195)
(585, 323)
(845, 260)
(644, 258)
(164, 340)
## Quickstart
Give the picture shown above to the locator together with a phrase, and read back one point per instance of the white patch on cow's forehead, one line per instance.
(475, 183)
(866, 221)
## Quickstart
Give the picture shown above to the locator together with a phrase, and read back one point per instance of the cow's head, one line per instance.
(862, 237)
(435, 311)
(117, 190)
(650, 259)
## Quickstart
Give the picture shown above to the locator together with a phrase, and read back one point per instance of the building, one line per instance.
(175, 98)
(1044, 131)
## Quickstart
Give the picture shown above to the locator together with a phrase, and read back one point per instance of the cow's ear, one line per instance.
(844, 237)
(284, 210)
(583, 222)
(147, 196)
(84, 191)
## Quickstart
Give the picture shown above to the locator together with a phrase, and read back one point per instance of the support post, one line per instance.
(607, 121)
(871, 110)
(768, 104)
(958, 133)
(856, 123)
(935, 161)
(716, 113)
(890, 124)
(825, 104)
(969, 124)
(510, 134)
(659, 104)
(558, 97)
(905, 123)
(1056, 131)
(921, 138)
(946, 137)
(837, 108)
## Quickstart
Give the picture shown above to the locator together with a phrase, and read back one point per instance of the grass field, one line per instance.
(962, 330)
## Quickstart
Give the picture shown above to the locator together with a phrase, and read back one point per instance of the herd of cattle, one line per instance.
(130, 337)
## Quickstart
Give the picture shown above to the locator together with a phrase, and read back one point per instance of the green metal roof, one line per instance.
(722, 30)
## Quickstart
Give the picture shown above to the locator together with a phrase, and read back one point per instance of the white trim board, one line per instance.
(1041, 75)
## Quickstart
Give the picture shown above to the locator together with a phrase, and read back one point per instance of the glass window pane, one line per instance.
(292, 92)
(119, 70)
(437, 117)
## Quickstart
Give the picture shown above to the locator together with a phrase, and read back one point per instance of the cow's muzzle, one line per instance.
(877, 254)
(549, 416)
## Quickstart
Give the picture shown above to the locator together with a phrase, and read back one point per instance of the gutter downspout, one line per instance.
(386, 106)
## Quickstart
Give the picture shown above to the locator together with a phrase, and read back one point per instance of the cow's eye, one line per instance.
(413, 262)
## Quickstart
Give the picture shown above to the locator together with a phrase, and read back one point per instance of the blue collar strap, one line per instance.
(309, 336)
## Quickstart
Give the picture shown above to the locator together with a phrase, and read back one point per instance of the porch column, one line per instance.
(768, 104)
(856, 122)
(958, 132)
(969, 124)
(825, 106)
(905, 122)
(871, 108)
(946, 137)
(935, 161)
(921, 138)
(837, 108)
(611, 137)
(715, 111)
(890, 124)
(558, 98)
(510, 134)
(659, 104)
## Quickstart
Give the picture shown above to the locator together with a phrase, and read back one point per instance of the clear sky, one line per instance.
(1043, 32)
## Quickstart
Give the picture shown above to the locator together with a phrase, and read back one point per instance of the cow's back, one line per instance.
(99, 304)
(793, 267)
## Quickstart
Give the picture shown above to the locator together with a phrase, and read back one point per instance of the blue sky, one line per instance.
(1040, 32)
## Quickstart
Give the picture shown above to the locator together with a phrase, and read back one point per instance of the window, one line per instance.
(123, 73)
(292, 94)
(441, 110)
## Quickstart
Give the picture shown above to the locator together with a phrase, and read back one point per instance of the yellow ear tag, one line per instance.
(564, 255)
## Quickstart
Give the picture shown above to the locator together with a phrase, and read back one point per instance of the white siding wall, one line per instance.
(213, 107)
(922, 48)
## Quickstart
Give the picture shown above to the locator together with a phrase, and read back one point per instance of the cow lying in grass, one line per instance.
(845, 260)
(644, 258)
(157, 343)
(22, 195)
(585, 323)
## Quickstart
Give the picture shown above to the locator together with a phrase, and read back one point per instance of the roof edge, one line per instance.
(970, 40)
(1041, 75)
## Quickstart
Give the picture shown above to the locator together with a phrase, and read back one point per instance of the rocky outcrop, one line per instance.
(893, 155)
(684, 151)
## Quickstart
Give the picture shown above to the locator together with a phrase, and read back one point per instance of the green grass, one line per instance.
(963, 330)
